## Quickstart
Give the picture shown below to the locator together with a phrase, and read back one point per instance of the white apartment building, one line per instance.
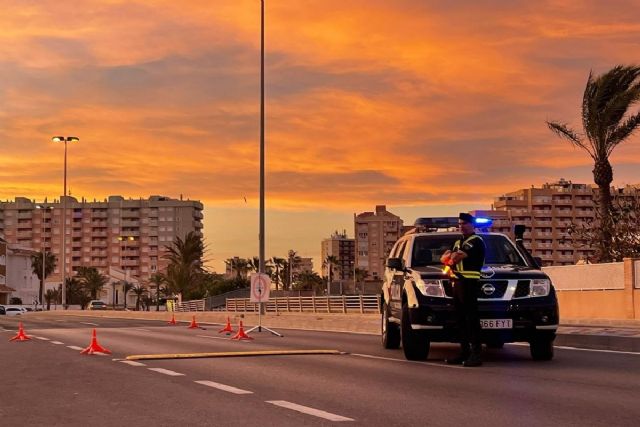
(130, 235)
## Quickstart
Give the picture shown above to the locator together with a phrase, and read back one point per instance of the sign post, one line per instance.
(260, 287)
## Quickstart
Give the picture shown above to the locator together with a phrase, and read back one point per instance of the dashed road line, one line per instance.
(57, 342)
(74, 347)
(142, 329)
(594, 350)
(215, 338)
(132, 363)
(167, 372)
(42, 338)
(224, 387)
(89, 323)
(309, 411)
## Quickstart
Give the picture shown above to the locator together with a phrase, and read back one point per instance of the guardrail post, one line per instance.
(378, 304)
(288, 306)
(276, 301)
(313, 303)
(328, 304)
(344, 304)
(361, 304)
(300, 302)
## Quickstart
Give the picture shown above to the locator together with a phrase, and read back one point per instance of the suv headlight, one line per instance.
(540, 287)
(430, 287)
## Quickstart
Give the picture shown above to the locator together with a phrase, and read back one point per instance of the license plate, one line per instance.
(496, 323)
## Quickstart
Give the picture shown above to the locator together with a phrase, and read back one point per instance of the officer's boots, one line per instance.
(465, 353)
(474, 358)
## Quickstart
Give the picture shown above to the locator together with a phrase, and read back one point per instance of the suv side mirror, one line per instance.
(395, 264)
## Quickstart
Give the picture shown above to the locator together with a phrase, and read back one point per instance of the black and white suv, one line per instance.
(516, 300)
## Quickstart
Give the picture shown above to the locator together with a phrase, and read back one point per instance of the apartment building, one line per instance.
(547, 212)
(128, 235)
(344, 249)
(375, 234)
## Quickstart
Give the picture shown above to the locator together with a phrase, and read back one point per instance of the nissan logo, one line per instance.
(488, 289)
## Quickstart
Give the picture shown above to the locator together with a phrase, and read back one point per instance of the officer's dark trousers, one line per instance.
(465, 300)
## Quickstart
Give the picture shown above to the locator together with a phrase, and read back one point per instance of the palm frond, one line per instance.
(623, 131)
(562, 130)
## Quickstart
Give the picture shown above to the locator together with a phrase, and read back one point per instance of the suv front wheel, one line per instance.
(390, 330)
(414, 343)
(541, 348)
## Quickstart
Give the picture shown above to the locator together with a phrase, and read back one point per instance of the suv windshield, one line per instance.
(428, 249)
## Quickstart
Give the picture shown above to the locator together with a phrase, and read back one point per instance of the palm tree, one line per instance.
(293, 261)
(185, 271)
(139, 291)
(360, 274)
(329, 263)
(157, 279)
(49, 297)
(605, 103)
(308, 280)
(92, 280)
(49, 267)
(240, 266)
(278, 267)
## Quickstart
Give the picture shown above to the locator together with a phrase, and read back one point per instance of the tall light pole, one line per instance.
(64, 139)
(44, 212)
(262, 261)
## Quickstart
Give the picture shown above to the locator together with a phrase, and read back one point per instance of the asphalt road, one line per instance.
(44, 383)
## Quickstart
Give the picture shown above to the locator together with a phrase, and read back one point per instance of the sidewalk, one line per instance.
(601, 334)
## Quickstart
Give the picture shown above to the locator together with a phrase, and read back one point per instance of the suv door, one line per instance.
(397, 282)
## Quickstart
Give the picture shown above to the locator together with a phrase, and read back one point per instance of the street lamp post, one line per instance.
(64, 139)
(43, 248)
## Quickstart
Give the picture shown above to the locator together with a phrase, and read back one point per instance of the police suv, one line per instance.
(516, 300)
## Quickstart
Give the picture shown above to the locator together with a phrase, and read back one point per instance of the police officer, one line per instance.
(465, 259)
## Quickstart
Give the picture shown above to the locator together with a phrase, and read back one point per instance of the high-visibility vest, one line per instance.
(467, 274)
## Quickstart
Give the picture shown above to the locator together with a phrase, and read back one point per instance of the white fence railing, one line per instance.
(312, 304)
(194, 305)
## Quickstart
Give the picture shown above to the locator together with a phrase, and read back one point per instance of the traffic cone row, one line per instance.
(241, 335)
(94, 347)
(194, 324)
(21, 336)
(173, 320)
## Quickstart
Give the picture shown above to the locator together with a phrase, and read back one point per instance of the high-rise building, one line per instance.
(343, 248)
(130, 235)
(375, 234)
(547, 213)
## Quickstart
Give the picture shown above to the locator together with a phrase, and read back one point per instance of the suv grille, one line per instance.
(522, 290)
(500, 287)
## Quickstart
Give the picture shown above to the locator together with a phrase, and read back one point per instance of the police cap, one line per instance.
(465, 217)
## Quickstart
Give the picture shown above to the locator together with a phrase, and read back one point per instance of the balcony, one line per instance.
(543, 223)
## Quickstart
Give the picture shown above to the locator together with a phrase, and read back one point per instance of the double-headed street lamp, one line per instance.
(64, 139)
(44, 257)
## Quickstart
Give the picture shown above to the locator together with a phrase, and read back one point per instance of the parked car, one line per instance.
(97, 305)
(13, 311)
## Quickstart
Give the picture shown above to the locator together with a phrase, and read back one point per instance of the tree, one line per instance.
(76, 293)
(92, 280)
(308, 280)
(49, 267)
(51, 296)
(185, 272)
(240, 265)
(329, 263)
(606, 101)
(360, 275)
(278, 267)
(139, 291)
(157, 279)
(293, 261)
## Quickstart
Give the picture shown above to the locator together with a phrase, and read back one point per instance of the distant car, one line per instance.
(2, 310)
(97, 305)
(13, 311)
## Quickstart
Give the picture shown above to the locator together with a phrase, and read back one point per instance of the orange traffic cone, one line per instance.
(173, 320)
(194, 324)
(94, 347)
(228, 329)
(241, 335)
(21, 335)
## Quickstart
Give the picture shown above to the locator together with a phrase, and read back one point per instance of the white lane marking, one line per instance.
(166, 372)
(309, 411)
(439, 365)
(60, 320)
(224, 387)
(74, 347)
(142, 329)
(132, 363)
(594, 350)
(42, 338)
(214, 338)
(89, 323)
(57, 342)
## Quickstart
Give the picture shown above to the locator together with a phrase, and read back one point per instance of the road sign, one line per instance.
(260, 286)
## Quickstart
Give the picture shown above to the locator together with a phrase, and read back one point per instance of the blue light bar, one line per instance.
(483, 222)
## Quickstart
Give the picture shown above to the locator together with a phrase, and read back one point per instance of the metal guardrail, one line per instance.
(312, 304)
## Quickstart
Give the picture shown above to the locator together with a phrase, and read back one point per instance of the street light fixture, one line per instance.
(64, 139)
(44, 257)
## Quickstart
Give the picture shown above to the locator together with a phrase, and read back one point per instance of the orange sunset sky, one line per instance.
(429, 107)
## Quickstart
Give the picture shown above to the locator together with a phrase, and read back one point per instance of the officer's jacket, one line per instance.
(473, 246)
